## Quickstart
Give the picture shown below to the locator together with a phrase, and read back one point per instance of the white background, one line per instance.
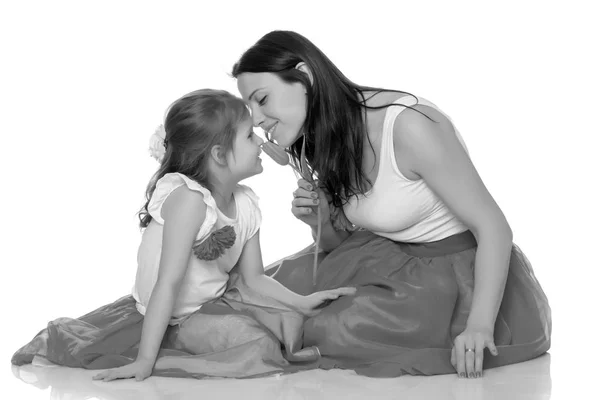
(84, 84)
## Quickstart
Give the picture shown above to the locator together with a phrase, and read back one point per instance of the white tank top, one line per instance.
(399, 208)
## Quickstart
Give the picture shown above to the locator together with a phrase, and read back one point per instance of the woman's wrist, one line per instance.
(481, 322)
(483, 314)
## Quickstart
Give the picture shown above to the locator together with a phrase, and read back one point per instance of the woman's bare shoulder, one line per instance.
(382, 98)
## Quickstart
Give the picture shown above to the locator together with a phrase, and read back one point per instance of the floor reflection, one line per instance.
(529, 380)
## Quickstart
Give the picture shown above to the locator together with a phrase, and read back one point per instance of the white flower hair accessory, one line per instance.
(158, 143)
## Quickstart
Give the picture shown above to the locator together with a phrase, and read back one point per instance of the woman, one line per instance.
(439, 279)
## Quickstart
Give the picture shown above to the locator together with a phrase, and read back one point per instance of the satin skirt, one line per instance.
(412, 301)
(241, 335)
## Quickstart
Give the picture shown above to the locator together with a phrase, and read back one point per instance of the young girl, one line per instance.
(199, 223)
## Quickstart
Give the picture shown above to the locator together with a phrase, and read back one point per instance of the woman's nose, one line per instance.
(257, 117)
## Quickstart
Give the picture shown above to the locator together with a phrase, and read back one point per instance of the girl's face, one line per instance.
(243, 159)
(279, 108)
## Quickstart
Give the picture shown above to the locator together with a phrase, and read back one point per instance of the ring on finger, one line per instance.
(468, 350)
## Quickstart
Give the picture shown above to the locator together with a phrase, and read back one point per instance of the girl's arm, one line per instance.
(183, 211)
(252, 271)
(432, 151)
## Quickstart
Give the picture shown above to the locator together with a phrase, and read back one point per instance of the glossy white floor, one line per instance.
(532, 380)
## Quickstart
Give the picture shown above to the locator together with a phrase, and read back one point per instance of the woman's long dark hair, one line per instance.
(334, 128)
(194, 124)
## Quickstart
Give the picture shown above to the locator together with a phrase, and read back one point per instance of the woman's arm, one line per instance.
(432, 151)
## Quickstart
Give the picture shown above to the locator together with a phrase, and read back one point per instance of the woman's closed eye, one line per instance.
(262, 101)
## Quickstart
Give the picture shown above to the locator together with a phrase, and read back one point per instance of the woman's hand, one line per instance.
(138, 369)
(467, 353)
(311, 306)
(306, 200)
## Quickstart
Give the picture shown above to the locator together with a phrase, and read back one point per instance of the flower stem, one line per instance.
(317, 245)
(307, 176)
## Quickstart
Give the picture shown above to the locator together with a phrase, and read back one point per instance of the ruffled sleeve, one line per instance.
(170, 182)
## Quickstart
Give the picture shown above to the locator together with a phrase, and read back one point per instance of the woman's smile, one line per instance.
(270, 131)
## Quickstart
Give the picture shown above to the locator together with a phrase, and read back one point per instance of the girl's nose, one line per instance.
(259, 140)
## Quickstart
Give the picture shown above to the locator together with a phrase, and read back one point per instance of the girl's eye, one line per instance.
(262, 101)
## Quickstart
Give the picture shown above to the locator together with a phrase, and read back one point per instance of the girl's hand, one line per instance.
(313, 302)
(139, 370)
(306, 200)
(467, 353)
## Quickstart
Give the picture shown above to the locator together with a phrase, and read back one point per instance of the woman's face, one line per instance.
(279, 108)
